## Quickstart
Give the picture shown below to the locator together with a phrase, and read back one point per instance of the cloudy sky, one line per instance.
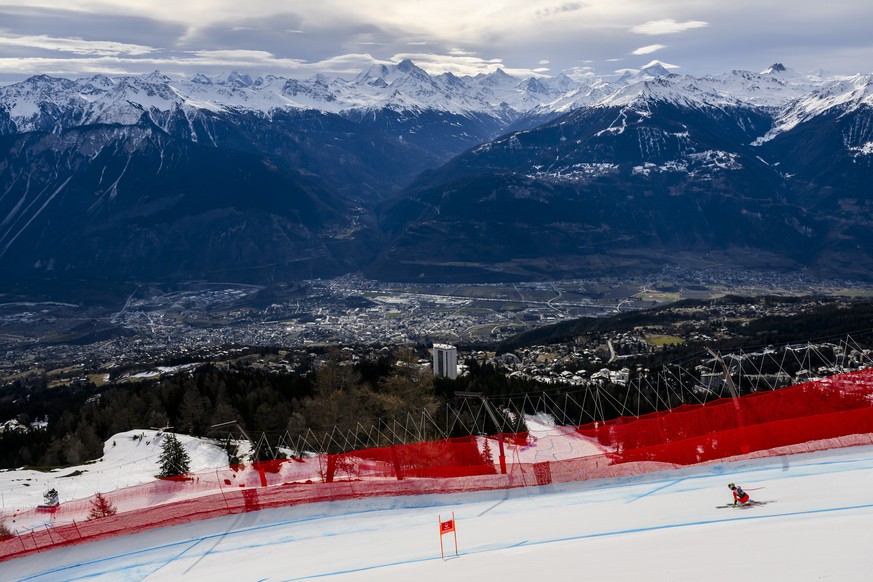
(74, 38)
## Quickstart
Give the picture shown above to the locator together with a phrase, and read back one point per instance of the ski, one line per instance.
(745, 506)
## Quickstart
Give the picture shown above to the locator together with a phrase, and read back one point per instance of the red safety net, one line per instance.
(823, 414)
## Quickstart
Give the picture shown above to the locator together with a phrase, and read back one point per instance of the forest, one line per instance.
(335, 394)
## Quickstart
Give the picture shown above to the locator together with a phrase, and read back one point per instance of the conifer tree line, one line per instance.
(332, 394)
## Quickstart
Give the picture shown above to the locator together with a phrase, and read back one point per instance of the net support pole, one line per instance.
(442, 552)
(735, 397)
(455, 533)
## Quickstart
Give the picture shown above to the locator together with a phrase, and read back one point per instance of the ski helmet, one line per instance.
(731, 485)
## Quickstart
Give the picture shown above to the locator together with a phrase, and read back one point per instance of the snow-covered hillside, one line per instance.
(129, 458)
(843, 97)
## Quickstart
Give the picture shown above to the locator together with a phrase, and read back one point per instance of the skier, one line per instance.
(740, 496)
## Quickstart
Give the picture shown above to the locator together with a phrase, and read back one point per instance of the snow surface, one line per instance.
(661, 526)
(864, 150)
(129, 458)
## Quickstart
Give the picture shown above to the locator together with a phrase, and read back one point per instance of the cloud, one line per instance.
(667, 26)
(560, 9)
(76, 46)
(648, 49)
(299, 39)
(239, 57)
(458, 64)
(580, 73)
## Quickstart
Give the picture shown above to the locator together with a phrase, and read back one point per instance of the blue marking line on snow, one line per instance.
(585, 536)
(846, 465)
(702, 522)
(176, 557)
(106, 559)
(655, 490)
(189, 544)
(186, 542)
(366, 568)
(197, 540)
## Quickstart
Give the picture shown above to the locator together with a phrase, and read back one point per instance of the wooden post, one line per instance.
(220, 488)
(440, 521)
(455, 532)
(398, 471)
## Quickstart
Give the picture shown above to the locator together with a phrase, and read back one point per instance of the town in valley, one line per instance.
(156, 330)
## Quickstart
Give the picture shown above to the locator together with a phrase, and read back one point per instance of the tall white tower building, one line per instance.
(445, 361)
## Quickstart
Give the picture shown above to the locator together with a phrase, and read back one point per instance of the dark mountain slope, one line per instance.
(135, 202)
(602, 191)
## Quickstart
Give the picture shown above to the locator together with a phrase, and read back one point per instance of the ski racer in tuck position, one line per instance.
(740, 496)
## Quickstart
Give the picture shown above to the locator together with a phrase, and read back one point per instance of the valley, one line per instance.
(66, 337)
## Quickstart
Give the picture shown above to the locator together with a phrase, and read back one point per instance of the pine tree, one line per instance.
(5, 531)
(173, 460)
(101, 507)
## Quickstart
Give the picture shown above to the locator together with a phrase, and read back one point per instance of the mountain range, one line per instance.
(404, 175)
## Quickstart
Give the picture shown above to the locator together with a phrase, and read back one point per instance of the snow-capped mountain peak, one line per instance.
(239, 80)
(774, 69)
(388, 74)
(498, 77)
(155, 77)
(655, 69)
(652, 70)
(842, 96)
(679, 90)
(35, 104)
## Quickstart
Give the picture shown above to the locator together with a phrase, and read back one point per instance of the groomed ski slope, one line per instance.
(662, 526)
